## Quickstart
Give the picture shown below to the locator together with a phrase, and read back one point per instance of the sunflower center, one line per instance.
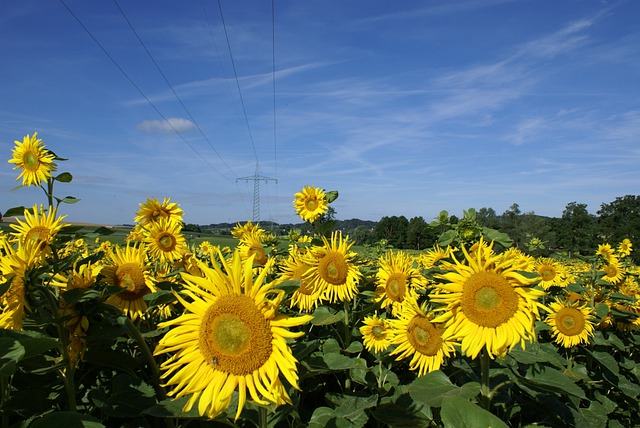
(166, 242)
(31, 161)
(570, 321)
(38, 234)
(610, 271)
(378, 332)
(311, 204)
(333, 268)
(131, 277)
(260, 256)
(424, 336)
(547, 273)
(234, 335)
(488, 299)
(396, 287)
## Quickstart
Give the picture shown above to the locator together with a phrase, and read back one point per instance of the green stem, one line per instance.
(380, 380)
(485, 390)
(262, 417)
(347, 325)
(4, 395)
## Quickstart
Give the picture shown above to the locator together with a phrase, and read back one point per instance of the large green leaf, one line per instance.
(458, 412)
(65, 177)
(11, 352)
(66, 420)
(553, 380)
(34, 343)
(172, 409)
(325, 316)
(434, 388)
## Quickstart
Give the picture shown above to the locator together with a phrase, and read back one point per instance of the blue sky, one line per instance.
(406, 108)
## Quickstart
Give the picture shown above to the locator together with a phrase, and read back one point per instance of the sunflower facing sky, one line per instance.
(230, 338)
(36, 162)
(552, 273)
(418, 337)
(129, 270)
(152, 210)
(571, 323)
(164, 239)
(487, 304)
(396, 279)
(333, 269)
(310, 203)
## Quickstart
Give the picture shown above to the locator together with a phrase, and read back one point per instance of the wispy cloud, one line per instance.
(172, 124)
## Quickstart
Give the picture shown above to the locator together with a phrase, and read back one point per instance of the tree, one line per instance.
(577, 228)
(487, 217)
(511, 224)
(620, 219)
(418, 234)
(393, 229)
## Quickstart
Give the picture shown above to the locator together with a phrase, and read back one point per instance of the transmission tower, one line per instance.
(256, 178)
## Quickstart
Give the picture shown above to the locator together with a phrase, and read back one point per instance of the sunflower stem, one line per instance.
(485, 390)
(262, 417)
(4, 395)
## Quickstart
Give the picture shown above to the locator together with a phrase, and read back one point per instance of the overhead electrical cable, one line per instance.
(170, 86)
(141, 92)
(273, 78)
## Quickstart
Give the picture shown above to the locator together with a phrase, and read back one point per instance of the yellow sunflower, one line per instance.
(605, 251)
(241, 230)
(129, 271)
(39, 226)
(571, 323)
(551, 273)
(624, 248)
(305, 297)
(420, 338)
(164, 240)
(310, 203)
(15, 266)
(613, 271)
(152, 210)
(231, 337)
(251, 247)
(487, 303)
(376, 333)
(333, 269)
(396, 279)
(36, 161)
(432, 256)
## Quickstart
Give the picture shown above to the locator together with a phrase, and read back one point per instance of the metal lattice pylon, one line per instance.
(256, 178)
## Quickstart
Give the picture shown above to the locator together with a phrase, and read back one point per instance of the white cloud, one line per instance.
(172, 124)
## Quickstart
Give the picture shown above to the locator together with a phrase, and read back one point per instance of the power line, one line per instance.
(170, 86)
(273, 78)
(140, 90)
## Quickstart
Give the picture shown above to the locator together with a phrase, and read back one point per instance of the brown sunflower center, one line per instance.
(396, 287)
(378, 332)
(547, 273)
(234, 335)
(424, 336)
(488, 299)
(31, 161)
(333, 268)
(311, 204)
(260, 256)
(166, 242)
(131, 277)
(570, 321)
(611, 271)
(38, 233)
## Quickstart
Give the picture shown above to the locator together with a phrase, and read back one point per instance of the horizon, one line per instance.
(405, 109)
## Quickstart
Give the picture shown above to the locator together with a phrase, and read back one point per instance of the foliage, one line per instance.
(78, 359)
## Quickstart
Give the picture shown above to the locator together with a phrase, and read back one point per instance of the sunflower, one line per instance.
(242, 230)
(251, 247)
(80, 276)
(571, 323)
(130, 272)
(613, 271)
(432, 256)
(15, 266)
(152, 210)
(487, 303)
(376, 333)
(605, 251)
(624, 248)
(310, 203)
(396, 279)
(39, 226)
(551, 273)
(229, 338)
(305, 297)
(164, 240)
(420, 338)
(333, 269)
(36, 161)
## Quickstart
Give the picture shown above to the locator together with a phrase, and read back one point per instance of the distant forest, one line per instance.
(576, 231)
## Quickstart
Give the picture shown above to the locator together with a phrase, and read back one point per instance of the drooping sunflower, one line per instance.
(310, 203)
(306, 297)
(15, 266)
(420, 338)
(164, 240)
(129, 270)
(396, 279)
(241, 230)
(231, 337)
(487, 303)
(571, 323)
(251, 247)
(333, 269)
(552, 273)
(38, 226)
(152, 210)
(376, 333)
(37, 163)
(613, 271)
(605, 251)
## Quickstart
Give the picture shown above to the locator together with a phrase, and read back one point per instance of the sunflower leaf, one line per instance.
(13, 352)
(65, 177)
(15, 212)
(66, 419)
(434, 388)
(459, 412)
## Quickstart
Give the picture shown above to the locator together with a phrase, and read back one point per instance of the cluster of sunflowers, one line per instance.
(227, 318)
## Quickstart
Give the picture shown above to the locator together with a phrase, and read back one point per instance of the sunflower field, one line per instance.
(301, 330)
